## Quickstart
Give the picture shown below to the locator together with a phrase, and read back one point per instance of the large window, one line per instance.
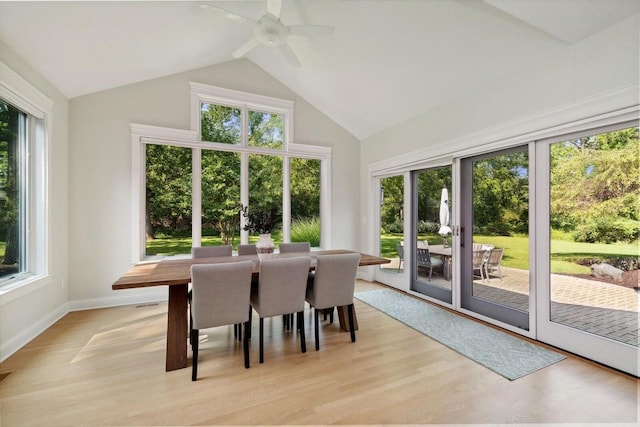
(240, 153)
(23, 182)
(12, 189)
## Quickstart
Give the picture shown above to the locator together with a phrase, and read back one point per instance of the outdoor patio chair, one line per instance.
(493, 261)
(425, 260)
(479, 258)
(400, 255)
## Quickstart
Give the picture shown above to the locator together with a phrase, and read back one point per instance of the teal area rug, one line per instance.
(504, 354)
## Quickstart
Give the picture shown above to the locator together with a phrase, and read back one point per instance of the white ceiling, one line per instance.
(387, 61)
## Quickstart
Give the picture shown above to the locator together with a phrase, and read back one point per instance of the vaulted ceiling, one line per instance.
(386, 61)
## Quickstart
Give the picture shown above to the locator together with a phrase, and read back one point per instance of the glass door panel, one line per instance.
(392, 223)
(430, 246)
(495, 242)
(594, 229)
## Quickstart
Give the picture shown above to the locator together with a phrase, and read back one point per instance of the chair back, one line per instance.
(478, 258)
(247, 249)
(423, 257)
(220, 294)
(478, 246)
(211, 251)
(294, 247)
(282, 286)
(334, 281)
(495, 256)
(422, 243)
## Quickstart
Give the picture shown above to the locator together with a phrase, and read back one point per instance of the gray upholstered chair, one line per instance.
(294, 247)
(283, 282)
(211, 251)
(333, 286)
(247, 249)
(284, 248)
(220, 296)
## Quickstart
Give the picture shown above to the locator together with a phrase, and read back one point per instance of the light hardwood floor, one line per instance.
(106, 367)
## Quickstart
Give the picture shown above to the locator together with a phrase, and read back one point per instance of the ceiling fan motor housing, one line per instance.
(270, 31)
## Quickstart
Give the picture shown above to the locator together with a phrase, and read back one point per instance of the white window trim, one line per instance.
(143, 134)
(17, 91)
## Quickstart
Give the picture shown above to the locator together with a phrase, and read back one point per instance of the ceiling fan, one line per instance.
(271, 32)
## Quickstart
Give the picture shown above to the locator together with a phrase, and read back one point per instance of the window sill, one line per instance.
(22, 285)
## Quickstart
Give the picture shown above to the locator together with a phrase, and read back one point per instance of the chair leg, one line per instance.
(194, 345)
(247, 326)
(317, 329)
(351, 322)
(261, 340)
(303, 342)
(248, 331)
(331, 315)
(235, 330)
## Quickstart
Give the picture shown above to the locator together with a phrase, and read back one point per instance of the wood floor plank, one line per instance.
(106, 367)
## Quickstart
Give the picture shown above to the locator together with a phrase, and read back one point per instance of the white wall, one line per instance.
(24, 317)
(603, 62)
(100, 169)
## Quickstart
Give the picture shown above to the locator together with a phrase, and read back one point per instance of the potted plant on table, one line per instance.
(261, 221)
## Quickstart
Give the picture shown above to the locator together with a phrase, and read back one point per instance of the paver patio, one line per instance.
(591, 306)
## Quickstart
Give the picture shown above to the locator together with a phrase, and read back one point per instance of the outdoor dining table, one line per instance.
(176, 274)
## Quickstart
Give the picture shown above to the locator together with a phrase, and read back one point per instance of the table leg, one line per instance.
(344, 318)
(176, 357)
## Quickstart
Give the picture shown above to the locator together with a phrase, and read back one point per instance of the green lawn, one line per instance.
(177, 246)
(516, 254)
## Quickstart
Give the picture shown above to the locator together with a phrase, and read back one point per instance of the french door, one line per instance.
(430, 245)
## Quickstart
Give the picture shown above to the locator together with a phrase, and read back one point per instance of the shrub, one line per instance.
(608, 230)
(306, 230)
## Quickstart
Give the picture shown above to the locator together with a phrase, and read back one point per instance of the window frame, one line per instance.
(35, 228)
(200, 93)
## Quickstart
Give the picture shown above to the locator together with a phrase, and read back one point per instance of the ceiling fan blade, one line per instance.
(274, 7)
(228, 14)
(310, 30)
(289, 55)
(245, 48)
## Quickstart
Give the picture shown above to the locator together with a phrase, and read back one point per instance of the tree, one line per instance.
(501, 193)
(595, 186)
(9, 181)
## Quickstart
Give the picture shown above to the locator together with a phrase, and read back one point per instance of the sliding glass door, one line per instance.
(588, 300)
(430, 245)
(494, 244)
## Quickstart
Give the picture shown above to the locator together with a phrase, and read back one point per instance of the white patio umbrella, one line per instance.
(444, 213)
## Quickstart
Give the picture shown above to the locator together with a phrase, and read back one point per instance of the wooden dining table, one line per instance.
(176, 274)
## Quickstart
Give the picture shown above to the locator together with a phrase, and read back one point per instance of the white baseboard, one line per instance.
(115, 301)
(16, 343)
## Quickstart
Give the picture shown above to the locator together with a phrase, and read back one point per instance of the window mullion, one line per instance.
(196, 197)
